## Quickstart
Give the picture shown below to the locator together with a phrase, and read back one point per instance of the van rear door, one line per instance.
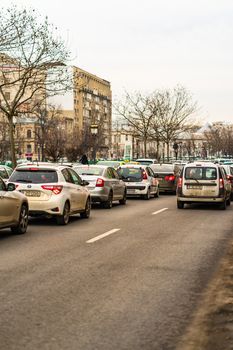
(201, 181)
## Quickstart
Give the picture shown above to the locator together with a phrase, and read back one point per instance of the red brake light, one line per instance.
(54, 189)
(230, 178)
(169, 178)
(144, 175)
(99, 182)
(33, 169)
(179, 185)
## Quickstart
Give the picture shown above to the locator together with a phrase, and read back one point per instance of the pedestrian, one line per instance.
(84, 159)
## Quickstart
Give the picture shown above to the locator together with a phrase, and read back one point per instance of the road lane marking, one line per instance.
(103, 235)
(159, 211)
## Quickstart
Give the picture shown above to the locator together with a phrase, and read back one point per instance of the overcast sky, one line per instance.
(152, 44)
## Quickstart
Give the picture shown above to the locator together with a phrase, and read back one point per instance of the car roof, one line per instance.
(202, 164)
(41, 166)
(102, 166)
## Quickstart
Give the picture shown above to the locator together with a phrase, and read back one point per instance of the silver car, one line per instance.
(13, 208)
(140, 181)
(105, 185)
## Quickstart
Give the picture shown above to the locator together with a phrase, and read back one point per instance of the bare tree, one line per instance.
(135, 109)
(32, 64)
(171, 110)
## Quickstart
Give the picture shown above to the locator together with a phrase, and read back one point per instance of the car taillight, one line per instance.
(99, 182)
(54, 189)
(144, 175)
(230, 178)
(169, 178)
(179, 185)
(221, 184)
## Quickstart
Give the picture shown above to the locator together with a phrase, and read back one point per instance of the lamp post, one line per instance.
(94, 132)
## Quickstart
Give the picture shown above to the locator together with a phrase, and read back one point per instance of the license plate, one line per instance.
(130, 191)
(32, 193)
(194, 187)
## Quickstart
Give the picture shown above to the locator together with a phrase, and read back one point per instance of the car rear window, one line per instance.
(3, 173)
(90, 170)
(201, 173)
(34, 176)
(130, 174)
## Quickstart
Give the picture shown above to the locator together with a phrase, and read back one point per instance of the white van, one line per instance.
(203, 183)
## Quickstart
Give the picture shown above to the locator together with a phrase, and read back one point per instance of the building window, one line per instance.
(126, 137)
(29, 148)
(29, 134)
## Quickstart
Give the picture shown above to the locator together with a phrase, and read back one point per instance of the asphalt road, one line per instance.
(127, 278)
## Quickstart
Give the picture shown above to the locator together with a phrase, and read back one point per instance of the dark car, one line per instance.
(167, 174)
(229, 173)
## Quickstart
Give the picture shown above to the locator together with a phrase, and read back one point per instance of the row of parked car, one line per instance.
(61, 190)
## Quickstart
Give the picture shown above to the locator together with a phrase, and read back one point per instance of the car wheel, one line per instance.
(123, 200)
(223, 205)
(108, 203)
(147, 195)
(86, 213)
(64, 218)
(157, 193)
(228, 201)
(21, 228)
(180, 205)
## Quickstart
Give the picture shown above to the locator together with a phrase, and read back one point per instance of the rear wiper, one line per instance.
(193, 178)
(88, 174)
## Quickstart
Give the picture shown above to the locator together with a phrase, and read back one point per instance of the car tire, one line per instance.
(180, 205)
(228, 202)
(64, 218)
(123, 200)
(223, 205)
(21, 228)
(108, 204)
(157, 193)
(147, 195)
(86, 213)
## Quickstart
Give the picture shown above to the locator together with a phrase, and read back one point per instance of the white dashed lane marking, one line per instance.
(92, 240)
(159, 211)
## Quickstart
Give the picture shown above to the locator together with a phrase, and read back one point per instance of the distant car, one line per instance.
(229, 173)
(146, 161)
(203, 183)
(112, 163)
(105, 186)
(140, 181)
(13, 208)
(167, 175)
(53, 190)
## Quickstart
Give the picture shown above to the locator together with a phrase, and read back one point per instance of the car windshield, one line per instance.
(90, 170)
(34, 176)
(201, 173)
(130, 174)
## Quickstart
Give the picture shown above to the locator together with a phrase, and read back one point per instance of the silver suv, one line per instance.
(53, 190)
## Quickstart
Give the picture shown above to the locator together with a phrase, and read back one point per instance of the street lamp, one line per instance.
(94, 132)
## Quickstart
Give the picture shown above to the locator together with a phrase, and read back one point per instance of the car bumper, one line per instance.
(201, 199)
(99, 194)
(137, 190)
(51, 207)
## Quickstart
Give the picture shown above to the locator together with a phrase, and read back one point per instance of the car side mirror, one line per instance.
(85, 183)
(11, 187)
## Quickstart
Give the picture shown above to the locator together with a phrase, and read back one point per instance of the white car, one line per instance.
(53, 190)
(140, 181)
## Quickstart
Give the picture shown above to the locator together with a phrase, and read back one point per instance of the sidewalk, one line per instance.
(212, 326)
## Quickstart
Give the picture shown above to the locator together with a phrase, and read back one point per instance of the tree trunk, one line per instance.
(168, 151)
(12, 141)
(145, 148)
